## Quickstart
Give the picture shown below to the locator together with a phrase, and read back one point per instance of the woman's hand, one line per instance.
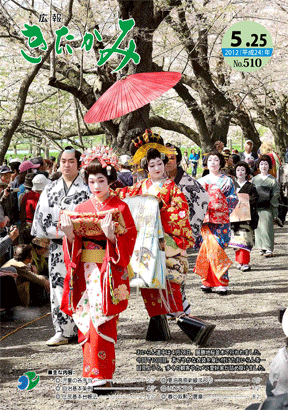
(108, 227)
(67, 227)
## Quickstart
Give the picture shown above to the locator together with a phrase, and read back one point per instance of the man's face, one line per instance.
(172, 163)
(68, 164)
(6, 178)
(248, 147)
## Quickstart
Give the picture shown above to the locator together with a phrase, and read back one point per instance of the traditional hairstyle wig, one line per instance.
(71, 149)
(94, 167)
(266, 158)
(218, 154)
(179, 153)
(142, 138)
(153, 154)
(243, 164)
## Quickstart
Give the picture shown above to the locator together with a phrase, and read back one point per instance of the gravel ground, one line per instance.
(246, 319)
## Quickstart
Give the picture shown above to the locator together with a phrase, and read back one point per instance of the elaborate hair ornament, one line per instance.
(108, 169)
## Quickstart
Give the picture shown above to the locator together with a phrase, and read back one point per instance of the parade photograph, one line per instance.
(143, 204)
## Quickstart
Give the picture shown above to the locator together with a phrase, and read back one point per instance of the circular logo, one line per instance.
(247, 46)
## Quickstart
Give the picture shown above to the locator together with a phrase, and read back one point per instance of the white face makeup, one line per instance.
(241, 173)
(156, 169)
(264, 167)
(99, 186)
(213, 163)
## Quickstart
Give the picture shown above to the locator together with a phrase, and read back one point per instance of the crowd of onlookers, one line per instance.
(23, 259)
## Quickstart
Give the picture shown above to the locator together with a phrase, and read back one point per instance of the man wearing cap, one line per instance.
(35, 184)
(124, 175)
(248, 156)
(65, 193)
(8, 199)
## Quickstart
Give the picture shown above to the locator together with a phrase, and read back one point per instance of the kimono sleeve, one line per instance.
(175, 219)
(43, 225)
(253, 196)
(121, 252)
(275, 196)
(128, 191)
(231, 195)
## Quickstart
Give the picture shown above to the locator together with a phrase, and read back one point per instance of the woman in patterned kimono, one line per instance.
(212, 262)
(267, 206)
(174, 215)
(100, 268)
(242, 232)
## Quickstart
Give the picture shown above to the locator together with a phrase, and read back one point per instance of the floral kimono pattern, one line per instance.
(212, 262)
(98, 269)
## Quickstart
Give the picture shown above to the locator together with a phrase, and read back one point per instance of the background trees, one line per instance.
(47, 101)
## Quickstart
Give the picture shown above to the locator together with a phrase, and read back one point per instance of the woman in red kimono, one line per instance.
(99, 268)
(174, 215)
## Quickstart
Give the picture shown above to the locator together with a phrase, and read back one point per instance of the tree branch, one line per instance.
(179, 127)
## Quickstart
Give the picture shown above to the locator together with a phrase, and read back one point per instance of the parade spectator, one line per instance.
(242, 232)
(193, 159)
(218, 145)
(9, 297)
(27, 185)
(267, 206)
(40, 252)
(6, 239)
(14, 166)
(40, 248)
(124, 175)
(5, 174)
(8, 198)
(25, 168)
(249, 156)
(4, 219)
(185, 163)
(22, 263)
(65, 193)
(226, 150)
(48, 166)
(29, 202)
(229, 166)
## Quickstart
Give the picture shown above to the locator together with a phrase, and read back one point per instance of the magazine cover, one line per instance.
(114, 80)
